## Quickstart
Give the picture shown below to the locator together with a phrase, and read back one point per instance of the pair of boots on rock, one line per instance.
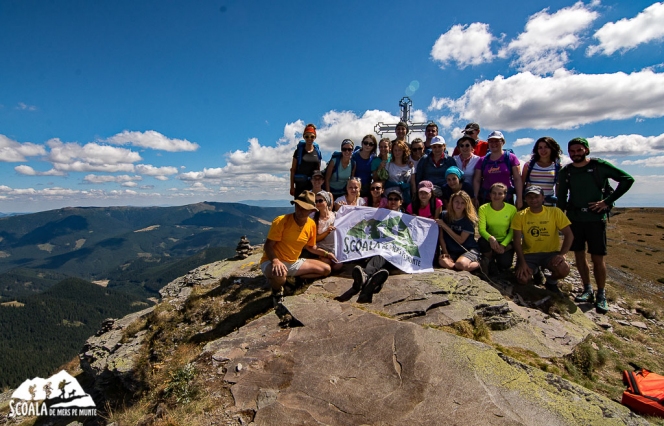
(367, 284)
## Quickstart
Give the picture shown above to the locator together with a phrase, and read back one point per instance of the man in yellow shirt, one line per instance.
(288, 235)
(536, 240)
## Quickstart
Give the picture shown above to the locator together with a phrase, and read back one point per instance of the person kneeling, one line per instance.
(370, 279)
(538, 226)
(460, 250)
(288, 235)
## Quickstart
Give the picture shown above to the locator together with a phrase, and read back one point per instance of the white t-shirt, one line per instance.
(398, 174)
(360, 201)
(469, 170)
(326, 243)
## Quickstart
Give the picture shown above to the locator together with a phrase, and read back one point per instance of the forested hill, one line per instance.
(43, 331)
(130, 247)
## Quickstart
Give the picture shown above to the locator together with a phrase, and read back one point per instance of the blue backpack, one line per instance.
(506, 159)
(300, 152)
(336, 156)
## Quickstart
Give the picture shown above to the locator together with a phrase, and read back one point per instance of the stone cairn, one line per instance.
(244, 249)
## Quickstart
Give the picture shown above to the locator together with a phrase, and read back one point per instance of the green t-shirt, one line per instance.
(581, 184)
(496, 223)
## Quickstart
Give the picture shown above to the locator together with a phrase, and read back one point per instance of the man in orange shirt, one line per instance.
(288, 235)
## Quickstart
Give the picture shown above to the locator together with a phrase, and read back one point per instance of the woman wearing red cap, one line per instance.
(306, 160)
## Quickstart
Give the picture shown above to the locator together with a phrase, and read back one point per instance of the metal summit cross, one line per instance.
(404, 104)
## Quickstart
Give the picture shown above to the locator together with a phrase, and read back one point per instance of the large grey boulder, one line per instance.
(107, 359)
(445, 297)
(346, 365)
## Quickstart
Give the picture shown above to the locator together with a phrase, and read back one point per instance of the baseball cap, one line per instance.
(496, 134)
(437, 140)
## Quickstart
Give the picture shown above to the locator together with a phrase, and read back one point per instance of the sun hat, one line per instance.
(306, 200)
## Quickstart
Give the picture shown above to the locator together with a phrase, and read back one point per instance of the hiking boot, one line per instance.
(359, 278)
(601, 305)
(538, 277)
(553, 288)
(378, 279)
(586, 296)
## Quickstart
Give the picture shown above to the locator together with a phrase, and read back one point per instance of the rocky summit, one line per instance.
(392, 361)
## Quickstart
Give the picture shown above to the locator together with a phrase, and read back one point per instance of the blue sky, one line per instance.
(171, 103)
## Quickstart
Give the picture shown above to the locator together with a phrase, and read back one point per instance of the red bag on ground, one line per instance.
(645, 392)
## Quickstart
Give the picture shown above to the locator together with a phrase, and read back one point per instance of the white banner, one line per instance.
(408, 242)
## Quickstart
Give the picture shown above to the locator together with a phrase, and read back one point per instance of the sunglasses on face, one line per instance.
(376, 188)
(367, 143)
(309, 137)
(393, 199)
(320, 201)
(347, 149)
(417, 149)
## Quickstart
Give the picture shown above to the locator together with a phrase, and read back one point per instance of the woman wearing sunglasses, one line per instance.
(306, 159)
(466, 160)
(340, 169)
(363, 159)
(376, 198)
(324, 219)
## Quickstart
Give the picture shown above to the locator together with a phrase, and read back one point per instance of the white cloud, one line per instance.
(149, 170)
(213, 173)
(465, 45)
(646, 162)
(130, 184)
(162, 178)
(627, 145)
(562, 101)
(90, 157)
(24, 107)
(153, 140)
(542, 47)
(29, 171)
(12, 151)
(626, 34)
(523, 142)
(108, 178)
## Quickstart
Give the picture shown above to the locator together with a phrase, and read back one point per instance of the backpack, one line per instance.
(549, 198)
(508, 162)
(336, 156)
(506, 159)
(645, 392)
(530, 168)
(605, 186)
(300, 152)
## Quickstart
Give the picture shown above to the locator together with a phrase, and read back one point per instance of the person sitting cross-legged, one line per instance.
(370, 279)
(287, 236)
(538, 226)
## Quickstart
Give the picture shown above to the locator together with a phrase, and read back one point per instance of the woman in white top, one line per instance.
(324, 219)
(466, 160)
(542, 169)
(400, 169)
(352, 197)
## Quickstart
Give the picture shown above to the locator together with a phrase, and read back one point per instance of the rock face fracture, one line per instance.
(388, 362)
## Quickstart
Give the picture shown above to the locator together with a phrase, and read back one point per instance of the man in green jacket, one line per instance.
(585, 180)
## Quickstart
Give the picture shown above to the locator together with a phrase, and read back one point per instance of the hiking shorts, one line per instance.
(292, 267)
(472, 255)
(592, 233)
(539, 260)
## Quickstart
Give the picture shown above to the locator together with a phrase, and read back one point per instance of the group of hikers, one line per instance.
(517, 210)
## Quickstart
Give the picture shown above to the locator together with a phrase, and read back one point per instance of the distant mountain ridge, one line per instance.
(102, 243)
